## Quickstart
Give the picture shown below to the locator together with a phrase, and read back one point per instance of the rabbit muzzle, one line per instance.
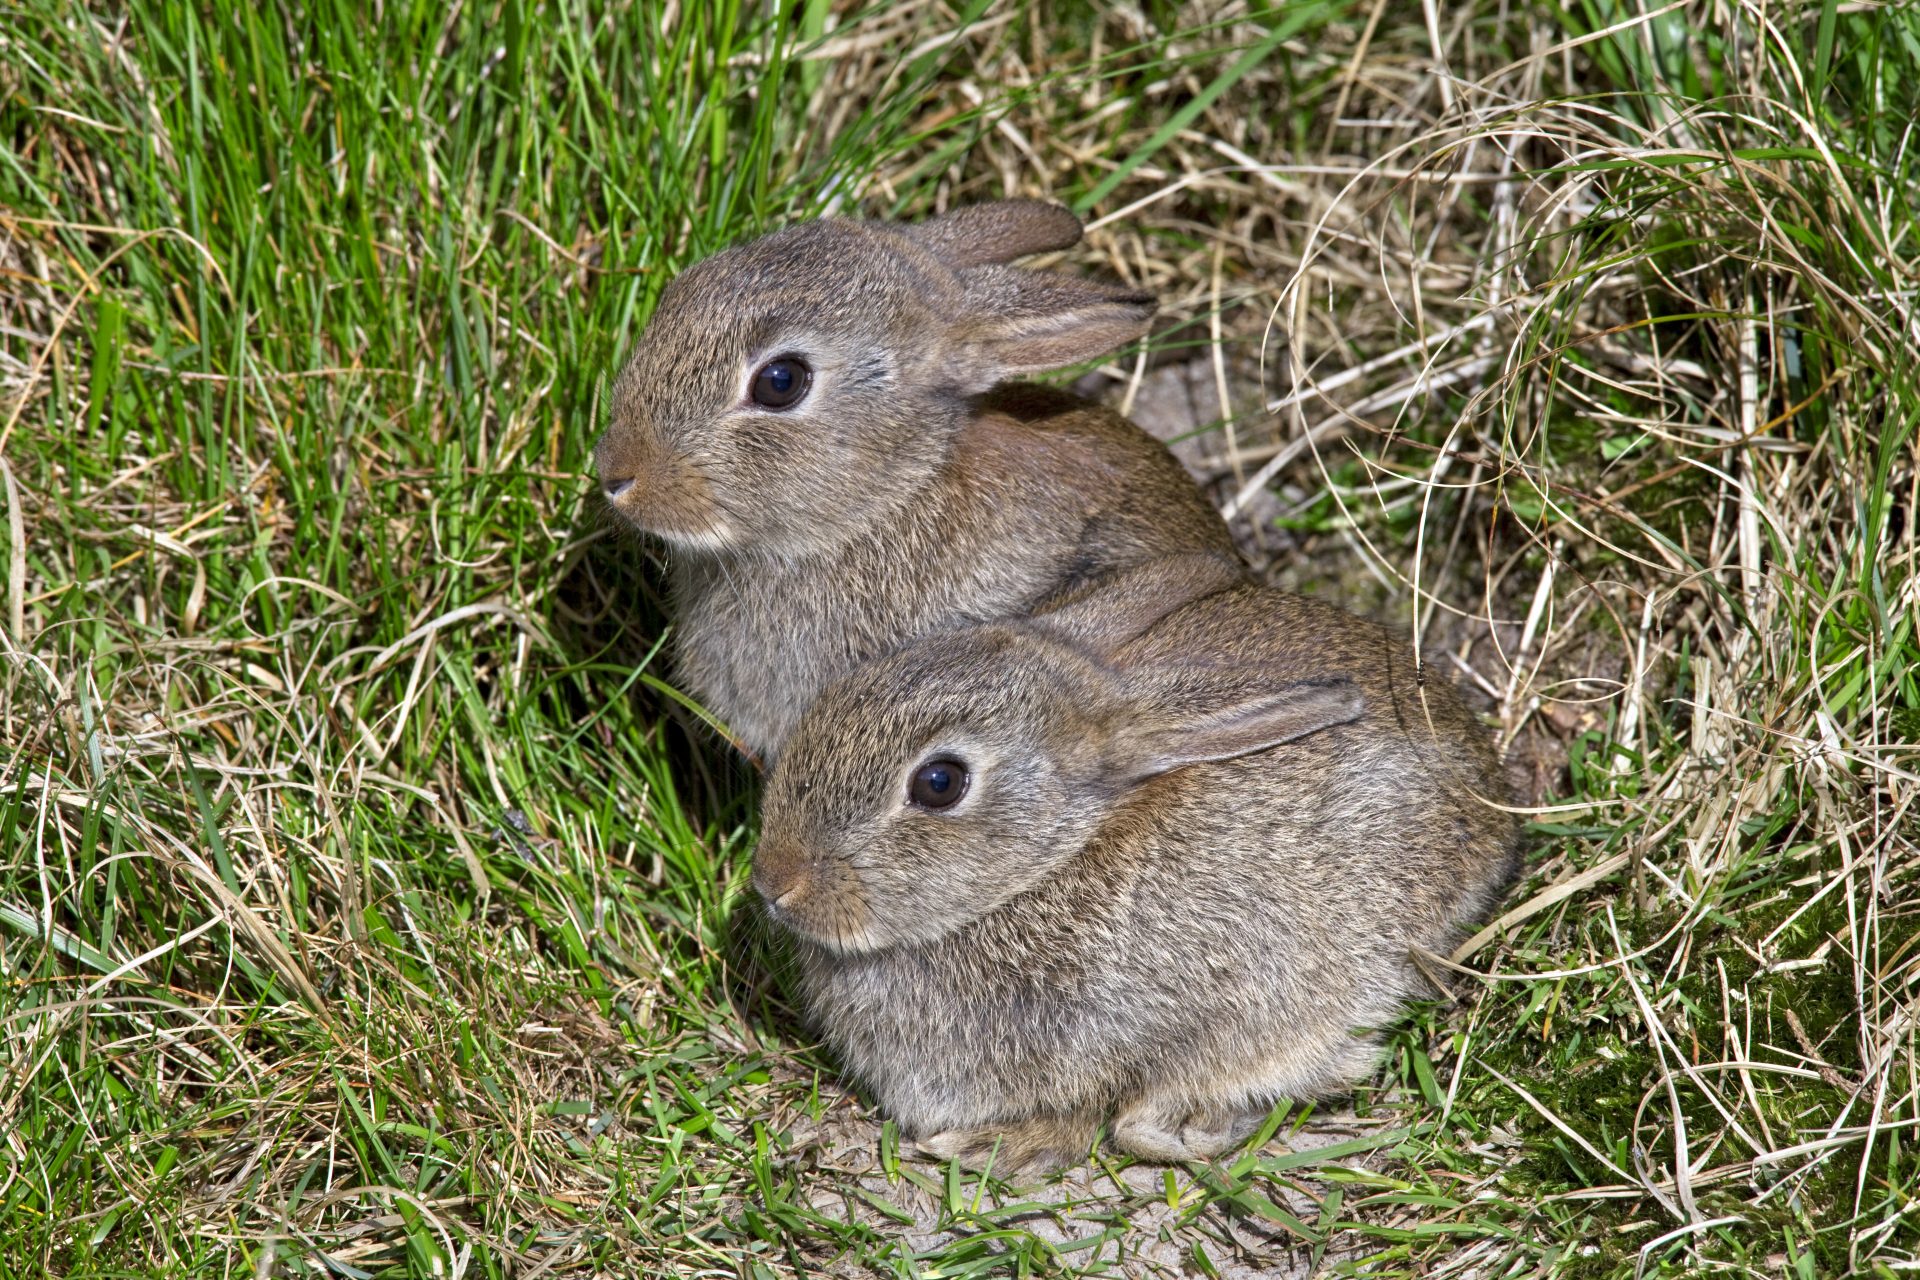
(811, 896)
(660, 494)
(780, 872)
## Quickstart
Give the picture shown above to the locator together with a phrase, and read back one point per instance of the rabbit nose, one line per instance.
(779, 871)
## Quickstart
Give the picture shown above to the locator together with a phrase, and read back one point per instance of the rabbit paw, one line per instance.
(1036, 1145)
(1159, 1132)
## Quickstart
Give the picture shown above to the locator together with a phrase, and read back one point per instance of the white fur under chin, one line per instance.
(715, 539)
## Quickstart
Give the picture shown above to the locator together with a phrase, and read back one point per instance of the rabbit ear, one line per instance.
(1191, 724)
(1017, 322)
(999, 231)
(1108, 613)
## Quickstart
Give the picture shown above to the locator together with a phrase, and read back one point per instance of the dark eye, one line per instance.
(937, 784)
(780, 383)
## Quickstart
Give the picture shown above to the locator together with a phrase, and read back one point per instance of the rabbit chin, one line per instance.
(713, 539)
(844, 924)
(679, 524)
(859, 933)
(836, 920)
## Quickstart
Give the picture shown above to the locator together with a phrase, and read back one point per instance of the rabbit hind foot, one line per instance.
(1034, 1145)
(1172, 1131)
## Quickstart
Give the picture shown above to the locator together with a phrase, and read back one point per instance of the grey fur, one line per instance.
(910, 490)
(1104, 928)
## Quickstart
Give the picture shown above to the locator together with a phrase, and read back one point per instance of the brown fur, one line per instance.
(1142, 909)
(911, 489)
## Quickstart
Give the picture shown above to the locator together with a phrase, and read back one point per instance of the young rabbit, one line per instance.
(1161, 857)
(815, 424)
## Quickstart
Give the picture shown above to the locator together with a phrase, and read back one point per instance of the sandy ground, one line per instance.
(1123, 1215)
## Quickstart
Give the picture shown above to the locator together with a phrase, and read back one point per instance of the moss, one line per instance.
(1580, 1045)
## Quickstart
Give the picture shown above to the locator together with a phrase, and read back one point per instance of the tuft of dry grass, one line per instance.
(366, 904)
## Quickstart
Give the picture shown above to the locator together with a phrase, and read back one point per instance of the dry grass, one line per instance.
(358, 898)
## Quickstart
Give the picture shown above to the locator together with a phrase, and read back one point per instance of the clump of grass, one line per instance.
(363, 905)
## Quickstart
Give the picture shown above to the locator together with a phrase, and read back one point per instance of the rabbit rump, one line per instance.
(815, 424)
(1155, 859)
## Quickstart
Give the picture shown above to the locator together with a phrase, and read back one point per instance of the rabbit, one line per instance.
(1156, 858)
(819, 426)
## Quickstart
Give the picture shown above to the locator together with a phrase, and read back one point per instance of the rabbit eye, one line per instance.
(780, 383)
(938, 784)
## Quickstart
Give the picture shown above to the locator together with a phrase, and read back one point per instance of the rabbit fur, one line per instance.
(912, 488)
(1207, 826)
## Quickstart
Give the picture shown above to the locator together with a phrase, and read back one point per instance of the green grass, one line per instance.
(367, 906)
